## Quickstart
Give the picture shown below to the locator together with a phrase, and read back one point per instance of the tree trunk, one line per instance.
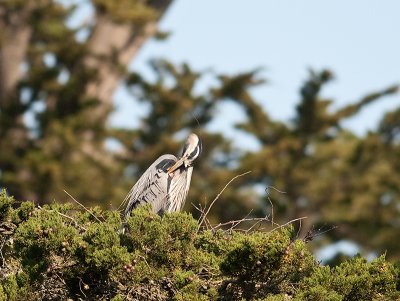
(14, 38)
(112, 47)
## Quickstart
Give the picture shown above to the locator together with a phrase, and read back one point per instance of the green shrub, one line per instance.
(103, 250)
(352, 280)
(5, 204)
(63, 252)
(42, 239)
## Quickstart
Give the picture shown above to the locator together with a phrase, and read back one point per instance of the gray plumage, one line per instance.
(166, 182)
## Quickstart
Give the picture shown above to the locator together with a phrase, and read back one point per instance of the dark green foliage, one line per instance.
(64, 143)
(171, 236)
(60, 252)
(352, 280)
(264, 263)
(328, 173)
(43, 239)
(5, 204)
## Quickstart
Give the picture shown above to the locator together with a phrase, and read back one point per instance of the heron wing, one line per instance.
(152, 186)
(179, 188)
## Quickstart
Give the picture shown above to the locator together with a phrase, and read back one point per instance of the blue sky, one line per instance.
(356, 39)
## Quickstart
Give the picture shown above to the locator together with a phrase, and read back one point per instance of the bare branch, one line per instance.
(66, 216)
(276, 189)
(202, 213)
(299, 230)
(82, 206)
(312, 233)
(219, 194)
(15, 36)
(121, 41)
(288, 223)
(245, 219)
(80, 286)
(3, 241)
(270, 201)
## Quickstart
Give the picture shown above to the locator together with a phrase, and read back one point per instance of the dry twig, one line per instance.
(202, 212)
(312, 233)
(91, 213)
(66, 216)
(3, 241)
(270, 201)
(289, 222)
(235, 223)
(202, 218)
(80, 286)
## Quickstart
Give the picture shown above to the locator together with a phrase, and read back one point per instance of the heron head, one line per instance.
(191, 151)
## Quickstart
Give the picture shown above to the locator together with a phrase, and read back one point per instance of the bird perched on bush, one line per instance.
(166, 182)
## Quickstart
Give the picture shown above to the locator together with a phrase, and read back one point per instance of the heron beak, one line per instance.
(176, 165)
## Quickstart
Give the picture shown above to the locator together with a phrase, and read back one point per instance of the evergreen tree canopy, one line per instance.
(54, 128)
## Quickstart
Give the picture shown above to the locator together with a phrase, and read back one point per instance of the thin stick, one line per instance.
(144, 259)
(202, 215)
(201, 210)
(3, 241)
(299, 230)
(256, 224)
(240, 221)
(327, 230)
(272, 209)
(62, 280)
(270, 202)
(80, 287)
(219, 194)
(311, 234)
(123, 203)
(289, 222)
(272, 212)
(236, 222)
(83, 206)
(64, 215)
(276, 189)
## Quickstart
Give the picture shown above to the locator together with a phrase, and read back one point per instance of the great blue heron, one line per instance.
(166, 182)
